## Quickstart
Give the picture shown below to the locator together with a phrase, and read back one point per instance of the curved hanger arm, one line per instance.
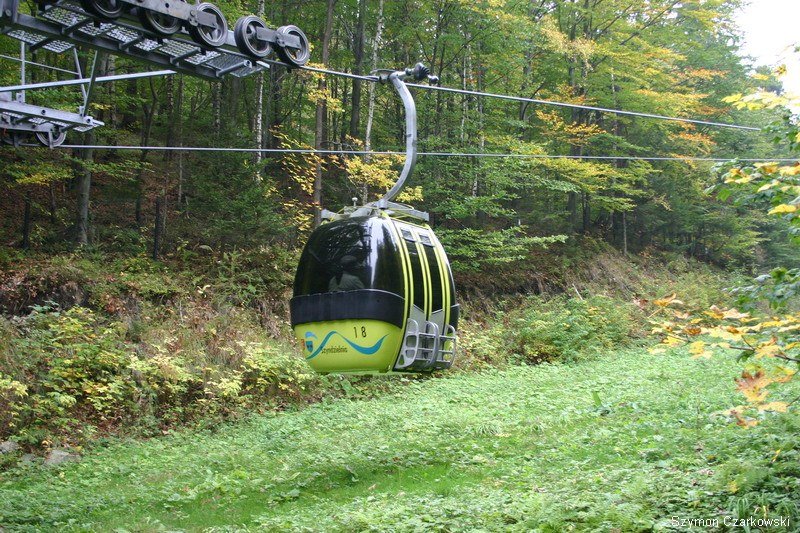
(419, 72)
(411, 136)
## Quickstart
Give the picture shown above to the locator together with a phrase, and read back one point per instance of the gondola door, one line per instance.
(430, 297)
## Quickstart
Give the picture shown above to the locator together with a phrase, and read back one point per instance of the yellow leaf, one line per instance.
(769, 350)
(663, 302)
(745, 422)
(734, 314)
(692, 330)
(673, 341)
(767, 168)
(782, 209)
(793, 170)
(752, 386)
(724, 334)
(778, 407)
(698, 350)
(784, 374)
(697, 347)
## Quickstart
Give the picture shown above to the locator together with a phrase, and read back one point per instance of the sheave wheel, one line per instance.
(14, 138)
(103, 9)
(58, 138)
(159, 22)
(293, 56)
(206, 35)
(245, 34)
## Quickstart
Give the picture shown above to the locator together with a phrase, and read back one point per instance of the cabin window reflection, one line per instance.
(349, 256)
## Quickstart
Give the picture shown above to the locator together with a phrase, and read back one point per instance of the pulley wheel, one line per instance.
(58, 138)
(159, 22)
(14, 138)
(293, 56)
(245, 33)
(103, 9)
(206, 35)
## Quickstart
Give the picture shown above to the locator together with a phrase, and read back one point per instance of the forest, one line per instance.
(630, 327)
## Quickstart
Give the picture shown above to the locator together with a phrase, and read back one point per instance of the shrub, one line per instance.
(68, 362)
(564, 329)
(67, 375)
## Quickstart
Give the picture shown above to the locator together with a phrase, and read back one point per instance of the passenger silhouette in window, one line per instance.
(346, 280)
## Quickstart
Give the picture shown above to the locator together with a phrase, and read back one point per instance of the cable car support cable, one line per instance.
(478, 155)
(436, 87)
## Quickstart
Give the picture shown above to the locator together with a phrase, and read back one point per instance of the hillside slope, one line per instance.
(624, 440)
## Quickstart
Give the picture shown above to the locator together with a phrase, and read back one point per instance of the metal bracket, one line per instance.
(9, 10)
(40, 118)
(62, 24)
(87, 92)
(397, 78)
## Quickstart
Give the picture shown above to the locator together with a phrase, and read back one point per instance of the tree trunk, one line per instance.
(586, 213)
(26, 223)
(572, 207)
(158, 228)
(258, 129)
(481, 72)
(180, 180)
(148, 116)
(111, 69)
(376, 44)
(84, 186)
(371, 89)
(321, 115)
(216, 107)
(179, 120)
(51, 193)
(624, 234)
(171, 114)
(358, 53)
(466, 72)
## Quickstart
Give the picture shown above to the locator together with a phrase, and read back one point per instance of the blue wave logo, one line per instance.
(366, 350)
(309, 342)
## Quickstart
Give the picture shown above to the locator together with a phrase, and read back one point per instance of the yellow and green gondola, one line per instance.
(374, 292)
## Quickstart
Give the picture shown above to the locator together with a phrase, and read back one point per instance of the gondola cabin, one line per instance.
(373, 291)
(374, 294)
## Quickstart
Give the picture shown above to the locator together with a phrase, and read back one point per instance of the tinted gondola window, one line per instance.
(437, 295)
(416, 275)
(350, 255)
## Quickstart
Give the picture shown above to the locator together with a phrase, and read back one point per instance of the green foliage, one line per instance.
(69, 362)
(474, 250)
(516, 450)
(235, 210)
(562, 51)
(537, 330)
(256, 274)
(564, 329)
(65, 375)
(775, 188)
(780, 287)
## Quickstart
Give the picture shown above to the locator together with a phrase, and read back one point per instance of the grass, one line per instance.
(622, 441)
